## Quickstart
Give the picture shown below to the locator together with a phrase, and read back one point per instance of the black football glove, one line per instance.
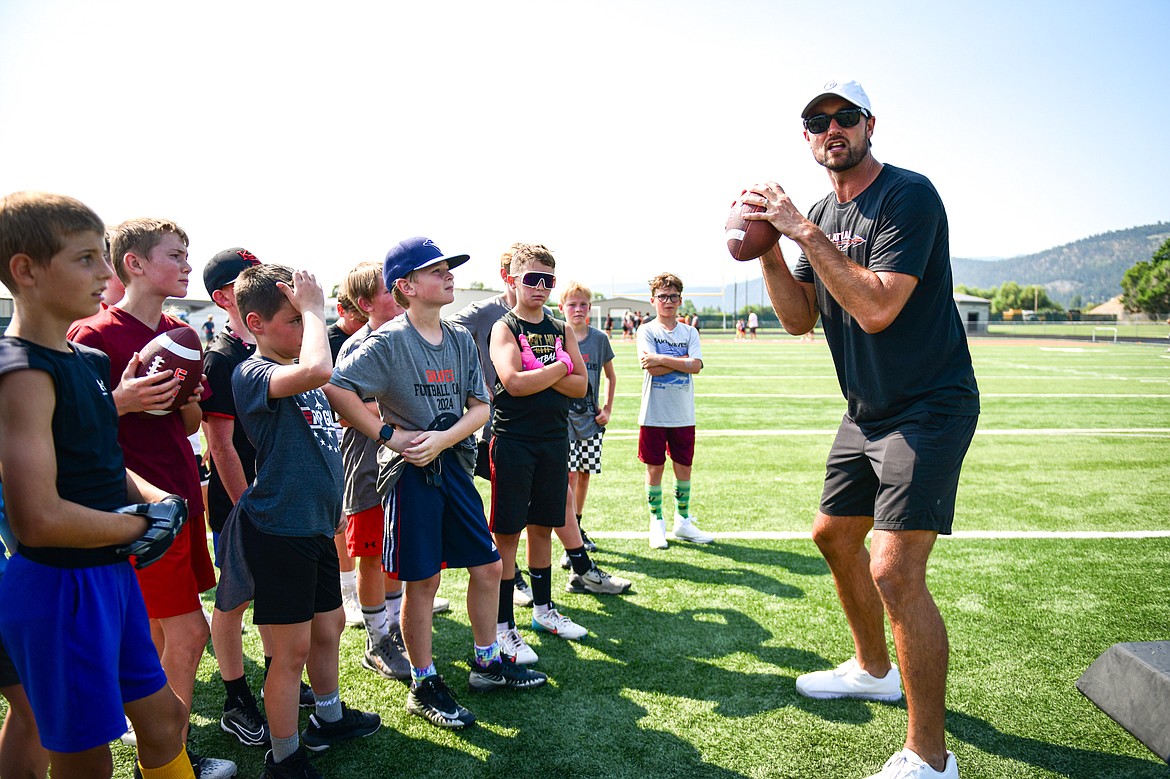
(166, 520)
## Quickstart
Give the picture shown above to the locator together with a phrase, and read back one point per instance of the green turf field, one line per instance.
(692, 674)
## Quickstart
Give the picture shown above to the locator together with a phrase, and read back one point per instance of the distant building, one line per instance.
(975, 313)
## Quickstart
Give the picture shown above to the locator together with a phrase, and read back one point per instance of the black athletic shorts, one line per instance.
(906, 478)
(8, 675)
(530, 480)
(294, 577)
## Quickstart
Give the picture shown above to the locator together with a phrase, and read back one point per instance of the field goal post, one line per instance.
(1105, 330)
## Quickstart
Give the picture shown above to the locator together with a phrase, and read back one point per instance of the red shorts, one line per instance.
(171, 586)
(363, 534)
(656, 443)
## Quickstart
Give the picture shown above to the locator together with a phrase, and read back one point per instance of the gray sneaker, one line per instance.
(597, 582)
(385, 658)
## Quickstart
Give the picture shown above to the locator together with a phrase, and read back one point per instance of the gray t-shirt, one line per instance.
(418, 385)
(668, 400)
(596, 351)
(359, 454)
(478, 318)
(297, 491)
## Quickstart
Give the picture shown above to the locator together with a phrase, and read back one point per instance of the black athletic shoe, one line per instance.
(244, 721)
(431, 700)
(589, 545)
(504, 673)
(306, 701)
(295, 766)
(319, 736)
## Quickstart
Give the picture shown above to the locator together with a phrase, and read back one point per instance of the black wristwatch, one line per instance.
(386, 433)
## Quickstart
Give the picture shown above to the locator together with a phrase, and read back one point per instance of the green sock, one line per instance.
(654, 498)
(682, 497)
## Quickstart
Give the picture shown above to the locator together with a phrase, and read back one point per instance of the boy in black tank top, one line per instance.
(537, 370)
(64, 477)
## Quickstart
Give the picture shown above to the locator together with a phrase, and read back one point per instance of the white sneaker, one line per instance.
(848, 680)
(352, 609)
(129, 738)
(512, 643)
(908, 765)
(657, 533)
(685, 530)
(521, 592)
(552, 621)
(440, 605)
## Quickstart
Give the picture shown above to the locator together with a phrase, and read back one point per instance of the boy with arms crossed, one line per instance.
(150, 257)
(285, 521)
(670, 356)
(536, 374)
(425, 375)
(85, 651)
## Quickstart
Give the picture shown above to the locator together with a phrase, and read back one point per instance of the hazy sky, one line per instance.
(617, 133)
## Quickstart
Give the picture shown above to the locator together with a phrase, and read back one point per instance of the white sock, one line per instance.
(394, 607)
(349, 583)
(375, 618)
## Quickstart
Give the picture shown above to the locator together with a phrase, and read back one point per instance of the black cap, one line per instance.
(223, 268)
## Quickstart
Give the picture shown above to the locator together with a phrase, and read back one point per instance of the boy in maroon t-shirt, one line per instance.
(150, 258)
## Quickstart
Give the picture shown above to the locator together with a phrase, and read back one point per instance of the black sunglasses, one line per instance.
(846, 117)
(534, 278)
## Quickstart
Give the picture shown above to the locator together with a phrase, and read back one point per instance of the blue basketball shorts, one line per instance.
(80, 641)
(434, 523)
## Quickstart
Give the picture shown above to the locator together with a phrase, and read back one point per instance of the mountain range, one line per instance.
(1091, 267)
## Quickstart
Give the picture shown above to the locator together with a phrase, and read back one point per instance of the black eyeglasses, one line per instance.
(534, 278)
(846, 117)
(668, 298)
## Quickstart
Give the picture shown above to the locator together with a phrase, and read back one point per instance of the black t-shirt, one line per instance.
(91, 470)
(545, 415)
(921, 361)
(221, 358)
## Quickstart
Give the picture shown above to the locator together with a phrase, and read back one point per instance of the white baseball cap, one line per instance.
(850, 90)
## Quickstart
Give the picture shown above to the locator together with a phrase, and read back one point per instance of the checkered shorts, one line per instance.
(585, 454)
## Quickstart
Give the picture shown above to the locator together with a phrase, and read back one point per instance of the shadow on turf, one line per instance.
(660, 566)
(1064, 761)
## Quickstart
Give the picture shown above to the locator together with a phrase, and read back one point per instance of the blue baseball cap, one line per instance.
(415, 254)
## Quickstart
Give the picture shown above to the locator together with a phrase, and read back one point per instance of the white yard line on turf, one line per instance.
(621, 435)
(788, 535)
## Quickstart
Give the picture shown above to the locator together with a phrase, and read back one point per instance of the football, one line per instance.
(747, 240)
(176, 350)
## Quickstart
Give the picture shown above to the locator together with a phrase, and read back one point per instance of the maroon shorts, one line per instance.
(363, 534)
(655, 444)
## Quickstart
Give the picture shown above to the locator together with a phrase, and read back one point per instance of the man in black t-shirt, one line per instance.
(875, 267)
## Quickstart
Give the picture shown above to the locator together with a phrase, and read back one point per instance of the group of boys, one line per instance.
(411, 393)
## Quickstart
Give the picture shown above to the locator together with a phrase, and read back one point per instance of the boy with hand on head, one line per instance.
(285, 521)
(150, 257)
(233, 467)
(670, 355)
(425, 375)
(537, 370)
(379, 596)
(64, 477)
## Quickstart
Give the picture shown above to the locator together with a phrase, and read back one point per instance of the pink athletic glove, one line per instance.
(563, 356)
(528, 361)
